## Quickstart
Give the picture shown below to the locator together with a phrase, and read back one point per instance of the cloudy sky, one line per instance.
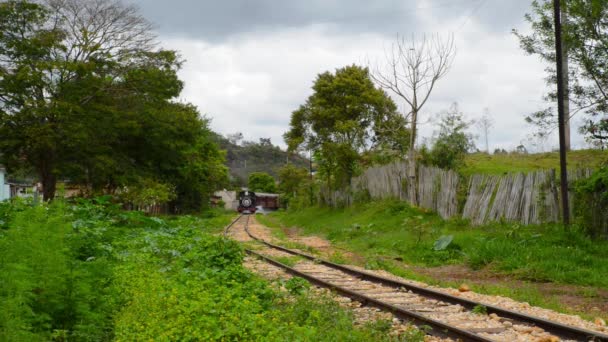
(250, 63)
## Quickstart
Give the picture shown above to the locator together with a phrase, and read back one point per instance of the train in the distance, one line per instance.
(247, 202)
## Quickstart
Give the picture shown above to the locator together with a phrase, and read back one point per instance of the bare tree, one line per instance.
(412, 69)
(98, 30)
(484, 124)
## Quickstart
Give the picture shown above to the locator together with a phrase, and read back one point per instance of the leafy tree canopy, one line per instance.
(85, 96)
(345, 118)
(262, 182)
(452, 142)
(585, 34)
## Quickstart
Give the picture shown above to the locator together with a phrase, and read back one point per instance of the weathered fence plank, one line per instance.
(527, 198)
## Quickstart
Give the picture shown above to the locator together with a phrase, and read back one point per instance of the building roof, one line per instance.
(264, 194)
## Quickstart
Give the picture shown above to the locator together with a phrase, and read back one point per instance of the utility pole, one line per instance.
(560, 113)
(566, 98)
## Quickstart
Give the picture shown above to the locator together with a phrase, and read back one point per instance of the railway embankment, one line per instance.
(445, 314)
(539, 266)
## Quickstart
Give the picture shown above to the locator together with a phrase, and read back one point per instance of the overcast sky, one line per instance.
(250, 63)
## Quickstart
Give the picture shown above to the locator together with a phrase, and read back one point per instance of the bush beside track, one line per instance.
(89, 271)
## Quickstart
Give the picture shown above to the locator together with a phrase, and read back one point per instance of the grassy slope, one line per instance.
(503, 163)
(385, 231)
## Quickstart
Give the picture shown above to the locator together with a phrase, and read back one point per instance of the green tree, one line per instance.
(345, 117)
(293, 182)
(86, 97)
(262, 182)
(585, 35)
(452, 142)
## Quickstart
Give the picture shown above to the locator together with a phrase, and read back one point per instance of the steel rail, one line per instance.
(556, 328)
(227, 228)
(437, 328)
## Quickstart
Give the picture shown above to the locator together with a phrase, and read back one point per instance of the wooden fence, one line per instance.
(527, 198)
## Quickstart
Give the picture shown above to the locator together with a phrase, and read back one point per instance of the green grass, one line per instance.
(505, 163)
(392, 230)
(289, 260)
(389, 235)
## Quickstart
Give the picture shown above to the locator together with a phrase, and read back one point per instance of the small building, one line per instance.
(5, 190)
(226, 196)
(23, 190)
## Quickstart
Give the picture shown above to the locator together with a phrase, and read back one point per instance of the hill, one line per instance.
(246, 157)
(520, 162)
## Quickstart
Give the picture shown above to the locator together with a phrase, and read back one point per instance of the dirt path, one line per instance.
(575, 298)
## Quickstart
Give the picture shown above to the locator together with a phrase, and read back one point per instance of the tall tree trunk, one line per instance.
(48, 180)
(411, 169)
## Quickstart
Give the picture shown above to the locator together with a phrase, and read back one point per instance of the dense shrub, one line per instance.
(88, 271)
(592, 201)
(54, 276)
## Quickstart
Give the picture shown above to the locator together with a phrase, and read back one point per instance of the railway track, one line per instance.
(444, 315)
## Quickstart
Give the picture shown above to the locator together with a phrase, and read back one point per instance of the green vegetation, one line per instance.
(345, 116)
(591, 203)
(480, 310)
(391, 230)
(289, 260)
(585, 35)
(245, 157)
(88, 271)
(92, 101)
(295, 185)
(452, 143)
(262, 182)
(520, 162)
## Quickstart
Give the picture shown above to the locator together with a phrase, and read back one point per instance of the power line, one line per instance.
(471, 14)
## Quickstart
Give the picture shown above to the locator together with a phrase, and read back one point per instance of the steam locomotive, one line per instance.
(247, 202)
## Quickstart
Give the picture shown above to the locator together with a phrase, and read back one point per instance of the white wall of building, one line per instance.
(4, 188)
(229, 198)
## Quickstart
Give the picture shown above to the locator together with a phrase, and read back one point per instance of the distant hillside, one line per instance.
(520, 162)
(247, 156)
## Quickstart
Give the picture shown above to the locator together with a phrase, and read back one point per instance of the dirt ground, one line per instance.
(592, 301)
(575, 298)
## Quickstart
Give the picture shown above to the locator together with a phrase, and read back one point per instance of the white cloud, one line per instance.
(253, 81)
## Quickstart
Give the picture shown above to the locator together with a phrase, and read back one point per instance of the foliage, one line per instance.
(480, 310)
(542, 253)
(88, 271)
(86, 97)
(294, 183)
(585, 35)
(262, 182)
(592, 201)
(297, 285)
(452, 142)
(147, 192)
(245, 157)
(345, 117)
(55, 275)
